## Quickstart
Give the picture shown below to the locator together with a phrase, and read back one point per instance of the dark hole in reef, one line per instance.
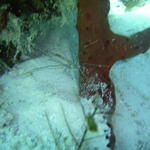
(87, 28)
(90, 57)
(106, 43)
(88, 16)
(84, 53)
(7, 55)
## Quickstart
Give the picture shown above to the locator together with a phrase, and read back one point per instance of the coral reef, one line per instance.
(23, 21)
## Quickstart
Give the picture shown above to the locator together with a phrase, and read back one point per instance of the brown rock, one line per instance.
(100, 48)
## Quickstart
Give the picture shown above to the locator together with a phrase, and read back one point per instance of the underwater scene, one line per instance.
(74, 74)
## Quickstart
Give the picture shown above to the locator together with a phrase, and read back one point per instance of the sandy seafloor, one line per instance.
(131, 78)
(39, 94)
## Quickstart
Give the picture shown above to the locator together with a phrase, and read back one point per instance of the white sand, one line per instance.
(33, 95)
(131, 78)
